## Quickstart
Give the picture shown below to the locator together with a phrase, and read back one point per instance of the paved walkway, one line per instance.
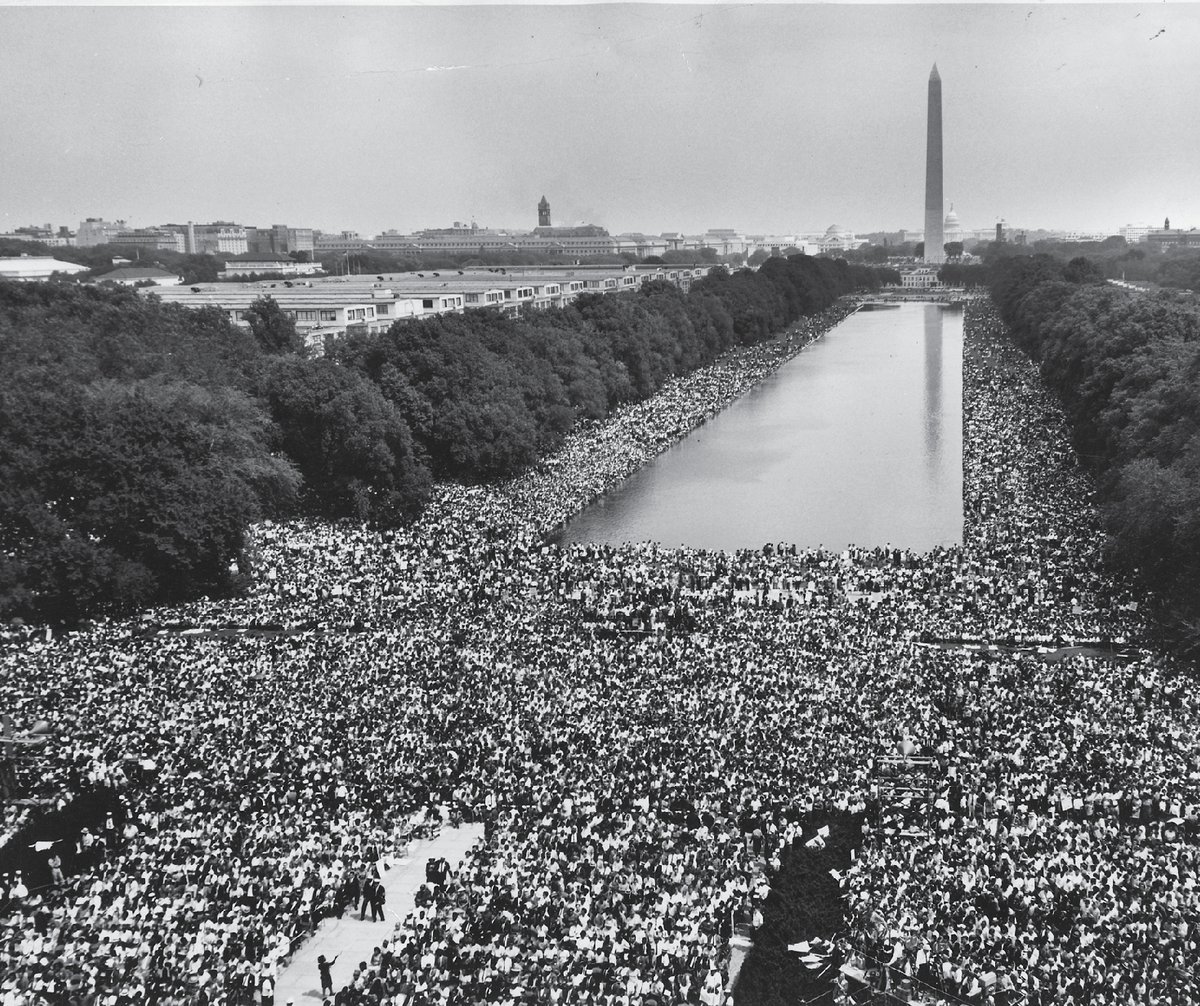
(739, 950)
(351, 940)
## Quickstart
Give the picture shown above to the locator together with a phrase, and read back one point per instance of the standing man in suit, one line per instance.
(378, 898)
(368, 893)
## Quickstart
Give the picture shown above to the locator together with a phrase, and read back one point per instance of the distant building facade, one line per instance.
(922, 278)
(952, 229)
(726, 241)
(343, 241)
(784, 244)
(1135, 233)
(836, 239)
(46, 235)
(264, 265)
(220, 238)
(279, 239)
(151, 238)
(1166, 238)
(94, 231)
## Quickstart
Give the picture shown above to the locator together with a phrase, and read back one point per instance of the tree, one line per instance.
(117, 495)
(966, 276)
(1181, 270)
(351, 445)
(272, 328)
(1083, 270)
(953, 249)
(56, 334)
(133, 457)
(1013, 277)
(481, 424)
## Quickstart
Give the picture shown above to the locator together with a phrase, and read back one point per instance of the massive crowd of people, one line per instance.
(641, 730)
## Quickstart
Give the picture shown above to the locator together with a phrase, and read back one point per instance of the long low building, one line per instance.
(331, 307)
(244, 266)
(321, 311)
(27, 268)
(568, 242)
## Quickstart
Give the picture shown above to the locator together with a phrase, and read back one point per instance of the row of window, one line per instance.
(490, 297)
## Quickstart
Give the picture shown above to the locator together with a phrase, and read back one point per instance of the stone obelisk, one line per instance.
(934, 239)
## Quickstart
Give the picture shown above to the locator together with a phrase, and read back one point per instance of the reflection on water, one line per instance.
(857, 440)
(933, 382)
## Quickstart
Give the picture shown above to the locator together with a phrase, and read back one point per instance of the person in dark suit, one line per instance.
(368, 888)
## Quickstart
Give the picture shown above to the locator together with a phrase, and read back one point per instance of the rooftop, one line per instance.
(36, 266)
(127, 273)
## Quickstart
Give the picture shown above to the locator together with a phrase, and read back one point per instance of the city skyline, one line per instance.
(259, 239)
(653, 118)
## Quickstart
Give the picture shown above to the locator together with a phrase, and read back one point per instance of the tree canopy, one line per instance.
(140, 445)
(116, 494)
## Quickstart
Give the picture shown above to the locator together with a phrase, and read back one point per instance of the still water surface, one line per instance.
(858, 440)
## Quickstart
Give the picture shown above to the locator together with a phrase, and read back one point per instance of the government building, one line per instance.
(328, 308)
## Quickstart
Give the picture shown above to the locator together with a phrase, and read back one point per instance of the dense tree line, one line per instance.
(141, 439)
(1180, 270)
(1176, 268)
(968, 276)
(1127, 367)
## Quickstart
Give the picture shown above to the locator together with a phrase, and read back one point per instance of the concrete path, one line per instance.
(351, 940)
(739, 950)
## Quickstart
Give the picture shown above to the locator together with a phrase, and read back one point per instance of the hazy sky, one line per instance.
(651, 117)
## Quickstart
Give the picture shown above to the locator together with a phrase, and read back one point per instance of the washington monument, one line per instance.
(934, 238)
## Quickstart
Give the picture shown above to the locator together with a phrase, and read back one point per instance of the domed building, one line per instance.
(952, 230)
(836, 239)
